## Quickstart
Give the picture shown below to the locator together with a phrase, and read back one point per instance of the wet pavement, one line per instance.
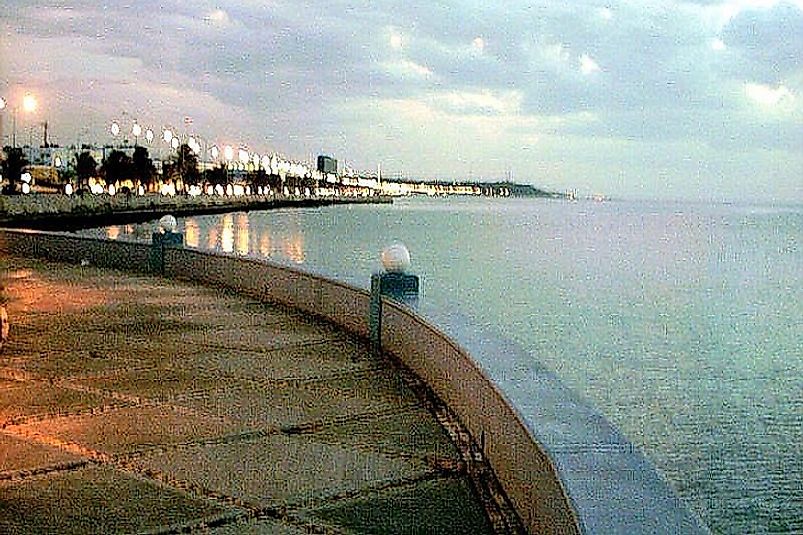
(132, 404)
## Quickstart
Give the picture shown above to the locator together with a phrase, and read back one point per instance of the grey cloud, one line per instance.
(771, 41)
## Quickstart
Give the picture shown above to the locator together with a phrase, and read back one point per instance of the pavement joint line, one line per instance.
(28, 419)
(42, 471)
(274, 514)
(323, 424)
(138, 400)
(368, 491)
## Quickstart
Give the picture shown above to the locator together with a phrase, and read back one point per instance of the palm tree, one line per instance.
(117, 167)
(85, 167)
(13, 165)
(186, 165)
(144, 170)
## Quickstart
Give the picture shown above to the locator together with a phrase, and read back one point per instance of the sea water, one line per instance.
(682, 323)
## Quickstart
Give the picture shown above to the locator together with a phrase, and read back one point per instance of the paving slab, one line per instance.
(134, 404)
(96, 500)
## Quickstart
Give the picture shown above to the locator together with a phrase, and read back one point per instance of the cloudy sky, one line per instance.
(697, 99)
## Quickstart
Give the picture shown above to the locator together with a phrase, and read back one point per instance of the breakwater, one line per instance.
(71, 212)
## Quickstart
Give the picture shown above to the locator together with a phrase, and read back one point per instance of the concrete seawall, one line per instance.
(67, 212)
(536, 468)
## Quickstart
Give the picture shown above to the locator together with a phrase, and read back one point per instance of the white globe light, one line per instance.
(136, 130)
(395, 258)
(168, 223)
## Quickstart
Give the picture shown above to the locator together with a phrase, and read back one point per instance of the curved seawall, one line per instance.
(563, 466)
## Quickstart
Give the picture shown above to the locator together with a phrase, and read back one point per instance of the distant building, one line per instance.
(327, 165)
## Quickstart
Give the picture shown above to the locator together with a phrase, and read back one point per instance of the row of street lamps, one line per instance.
(232, 156)
(229, 154)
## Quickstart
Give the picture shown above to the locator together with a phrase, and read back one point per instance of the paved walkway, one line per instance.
(131, 404)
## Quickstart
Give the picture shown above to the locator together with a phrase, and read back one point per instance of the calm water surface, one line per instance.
(681, 322)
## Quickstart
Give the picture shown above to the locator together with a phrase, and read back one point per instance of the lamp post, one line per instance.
(2, 107)
(136, 131)
(29, 105)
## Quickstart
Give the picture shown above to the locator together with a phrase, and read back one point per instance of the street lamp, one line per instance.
(136, 130)
(3, 105)
(29, 105)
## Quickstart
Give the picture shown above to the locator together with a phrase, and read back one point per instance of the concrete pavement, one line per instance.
(132, 404)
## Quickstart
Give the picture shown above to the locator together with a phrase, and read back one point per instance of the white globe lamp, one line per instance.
(395, 258)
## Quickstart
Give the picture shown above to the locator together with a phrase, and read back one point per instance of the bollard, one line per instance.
(166, 236)
(393, 283)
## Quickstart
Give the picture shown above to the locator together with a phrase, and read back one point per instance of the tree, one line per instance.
(144, 170)
(85, 167)
(13, 165)
(217, 175)
(117, 167)
(258, 178)
(188, 165)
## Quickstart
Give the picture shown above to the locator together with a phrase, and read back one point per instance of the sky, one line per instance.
(698, 99)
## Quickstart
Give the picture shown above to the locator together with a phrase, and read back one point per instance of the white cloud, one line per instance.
(588, 65)
(218, 17)
(768, 96)
(478, 44)
(718, 44)
(408, 69)
(508, 102)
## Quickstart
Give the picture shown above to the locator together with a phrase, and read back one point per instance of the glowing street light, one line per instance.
(167, 135)
(115, 129)
(29, 103)
(149, 135)
(214, 152)
(228, 152)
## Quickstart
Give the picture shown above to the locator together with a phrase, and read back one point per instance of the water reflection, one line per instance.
(227, 233)
(241, 236)
(192, 232)
(238, 233)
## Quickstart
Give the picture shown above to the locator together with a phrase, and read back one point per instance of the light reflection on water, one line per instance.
(228, 233)
(680, 322)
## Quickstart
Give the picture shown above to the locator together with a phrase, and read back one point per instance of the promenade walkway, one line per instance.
(132, 404)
